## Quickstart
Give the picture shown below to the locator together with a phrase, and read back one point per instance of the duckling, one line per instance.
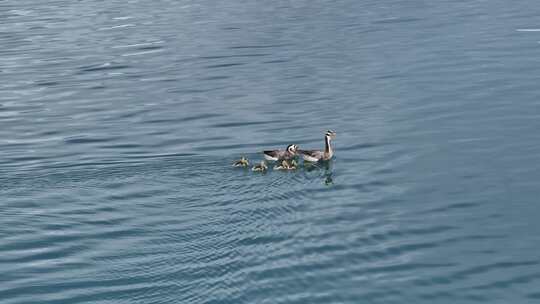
(317, 155)
(262, 167)
(242, 162)
(274, 155)
(286, 165)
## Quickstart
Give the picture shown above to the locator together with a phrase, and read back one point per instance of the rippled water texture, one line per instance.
(119, 121)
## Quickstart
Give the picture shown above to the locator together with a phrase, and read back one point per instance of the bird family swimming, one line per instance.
(287, 157)
(317, 155)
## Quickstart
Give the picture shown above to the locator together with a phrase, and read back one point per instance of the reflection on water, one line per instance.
(328, 179)
(324, 167)
(119, 123)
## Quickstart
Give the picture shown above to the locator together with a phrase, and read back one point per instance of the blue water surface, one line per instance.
(119, 121)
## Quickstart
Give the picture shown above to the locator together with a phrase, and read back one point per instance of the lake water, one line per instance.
(119, 121)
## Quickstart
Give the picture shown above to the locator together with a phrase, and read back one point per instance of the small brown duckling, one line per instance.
(242, 162)
(285, 165)
(262, 167)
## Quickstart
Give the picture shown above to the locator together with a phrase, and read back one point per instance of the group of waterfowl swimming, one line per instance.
(287, 158)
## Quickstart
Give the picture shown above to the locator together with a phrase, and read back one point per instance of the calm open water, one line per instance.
(119, 121)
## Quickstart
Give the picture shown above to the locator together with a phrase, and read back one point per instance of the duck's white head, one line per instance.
(292, 149)
(330, 134)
